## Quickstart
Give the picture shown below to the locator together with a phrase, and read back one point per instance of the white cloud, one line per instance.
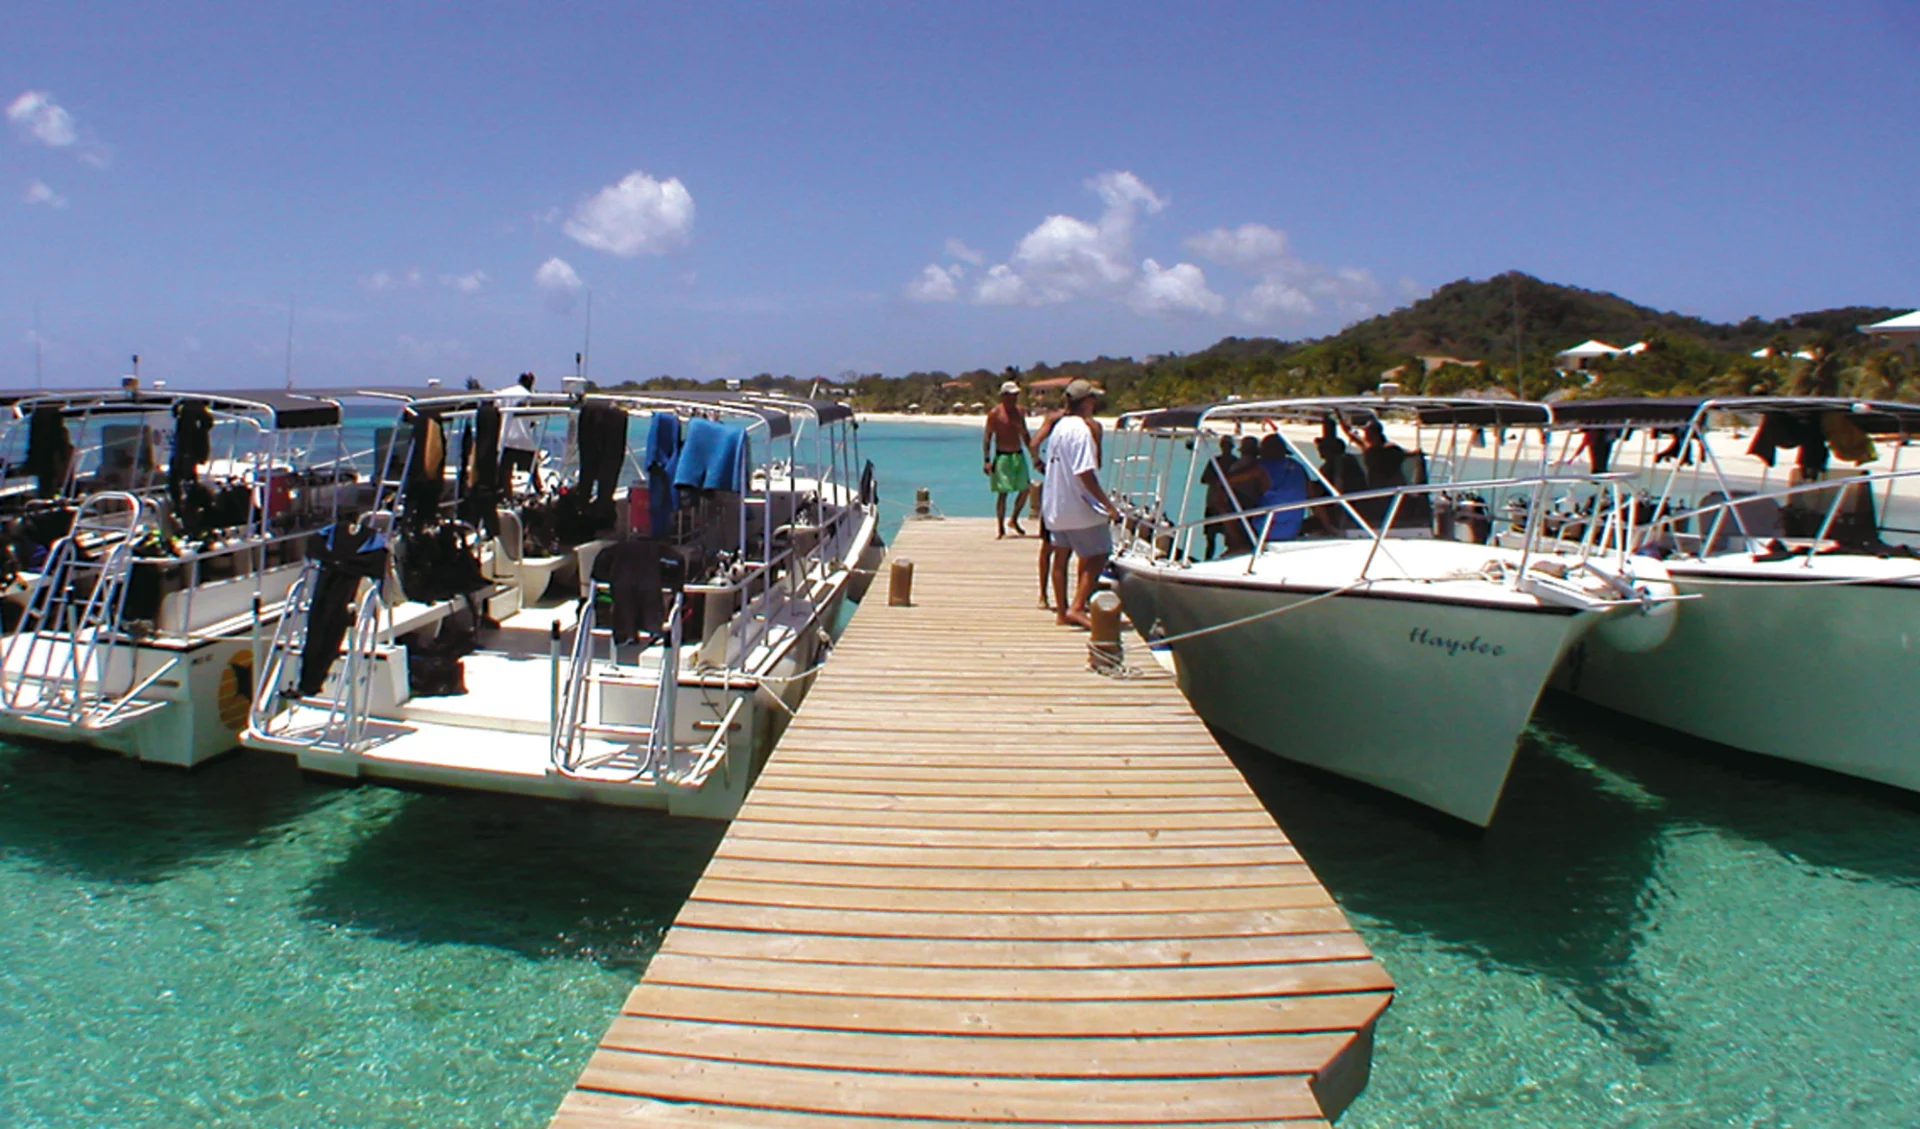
(1179, 291)
(471, 282)
(38, 116)
(561, 282)
(46, 120)
(382, 280)
(936, 284)
(1069, 258)
(1274, 300)
(638, 216)
(39, 193)
(1252, 247)
(965, 253)
(1001, 287)
(1287, 288)
(1066, 257)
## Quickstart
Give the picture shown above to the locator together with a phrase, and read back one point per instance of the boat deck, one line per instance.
(980, 885)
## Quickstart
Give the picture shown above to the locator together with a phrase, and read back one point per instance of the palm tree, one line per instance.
(1820, 376)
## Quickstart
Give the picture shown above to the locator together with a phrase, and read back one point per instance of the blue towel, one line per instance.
(712, 457)
(663, 451)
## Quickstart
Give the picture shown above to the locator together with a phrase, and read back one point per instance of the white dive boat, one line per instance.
(1384, 633)
(710, 558)
(1801, 641)
(155, 534)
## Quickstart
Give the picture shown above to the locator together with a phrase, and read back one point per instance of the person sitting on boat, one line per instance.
(1247, 482)
(1219, 499)
(1286, 484)
(1342, 471)
(1385, 461)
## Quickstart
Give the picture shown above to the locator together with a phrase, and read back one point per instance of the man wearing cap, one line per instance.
(1073, 504)
(1003, 456)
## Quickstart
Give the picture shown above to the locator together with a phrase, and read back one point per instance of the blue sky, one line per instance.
(815, 188)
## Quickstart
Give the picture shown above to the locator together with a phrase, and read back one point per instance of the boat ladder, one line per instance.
(628, 751)
(336, 720)
(55, 666)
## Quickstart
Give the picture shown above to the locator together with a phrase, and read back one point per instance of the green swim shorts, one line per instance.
(1010, 472)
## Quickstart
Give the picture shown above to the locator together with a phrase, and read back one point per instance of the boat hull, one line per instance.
(1423, 698)
(1820, 674)
(187, 714)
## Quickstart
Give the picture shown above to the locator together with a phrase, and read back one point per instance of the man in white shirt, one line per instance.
(518, 449)
(1073, 506)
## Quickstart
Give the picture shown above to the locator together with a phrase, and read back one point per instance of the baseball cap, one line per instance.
(1010, 388)
(1081, 389)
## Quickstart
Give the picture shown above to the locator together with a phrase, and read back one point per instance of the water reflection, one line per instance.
(1559, 886)
(102, 817)
(537, 878)
(1814, 818)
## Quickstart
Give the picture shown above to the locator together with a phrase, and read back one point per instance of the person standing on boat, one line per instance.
(1074, 506)
(1003, 456)
(518, 450)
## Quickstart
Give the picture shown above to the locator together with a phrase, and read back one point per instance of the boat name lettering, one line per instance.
(1453, 647)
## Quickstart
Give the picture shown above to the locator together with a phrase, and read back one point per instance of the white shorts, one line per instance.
(1089, 541)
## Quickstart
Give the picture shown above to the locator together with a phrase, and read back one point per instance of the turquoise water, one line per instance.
(1651, 934)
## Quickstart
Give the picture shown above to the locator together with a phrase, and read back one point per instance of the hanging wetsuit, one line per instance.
(49, 449)
(345, 560)
(192, 447)
(481, 502)
(426, 472)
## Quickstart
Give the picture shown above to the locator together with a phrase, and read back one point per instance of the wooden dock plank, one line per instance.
(988, 1018)
(979, 885)
(1196, 874)
(991, 925)
(1047, 1101)
(1168, 1057)
(588, 1109)
(1083, 855)
(1175, 982)
(973, 953)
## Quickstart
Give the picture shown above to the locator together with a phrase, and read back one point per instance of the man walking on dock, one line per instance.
(1003, 455)
(1073, 504)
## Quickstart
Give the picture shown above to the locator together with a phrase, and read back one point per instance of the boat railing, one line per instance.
(751, 594)
(1681, 529)
(64, 640)
(1150, 532)
(288, 643)
(351, 704)
(570, 697)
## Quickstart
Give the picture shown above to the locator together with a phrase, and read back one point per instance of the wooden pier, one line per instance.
(978, 884)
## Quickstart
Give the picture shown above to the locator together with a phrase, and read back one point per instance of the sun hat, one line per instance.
(1010, 388)
(1081, 389)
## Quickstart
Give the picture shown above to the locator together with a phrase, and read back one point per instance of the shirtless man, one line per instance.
(1003, 456)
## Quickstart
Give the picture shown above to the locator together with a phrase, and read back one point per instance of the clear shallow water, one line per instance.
(1652, 933)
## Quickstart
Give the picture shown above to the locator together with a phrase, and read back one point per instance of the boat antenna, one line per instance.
(290, 309)
(586, 345)
(39, 371)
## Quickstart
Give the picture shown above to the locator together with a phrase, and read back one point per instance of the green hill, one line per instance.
(1475, 320)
